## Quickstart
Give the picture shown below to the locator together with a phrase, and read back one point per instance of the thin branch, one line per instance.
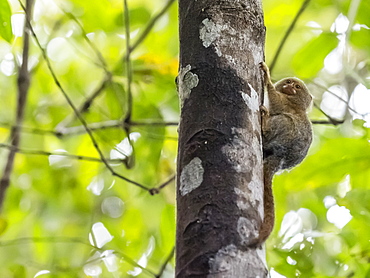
(149, 123)
(85, 105)
(93, 47)
(92, 126)
(323, 122)
(44, 153)
(128, 62)
(338, 97)
(31, 130)
(76, 130)
(352, 13)
(106, 80)
(131, 160)
(25, 240)
(330, 120)
(23, 84)
(288, 32)
(155, 190)
(112, 124)
(81, 119)
(163, 267)
(150, 25)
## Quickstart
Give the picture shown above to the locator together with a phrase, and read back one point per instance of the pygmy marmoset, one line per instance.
(286, 135)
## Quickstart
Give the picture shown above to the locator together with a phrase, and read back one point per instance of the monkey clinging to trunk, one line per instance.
(286, 135)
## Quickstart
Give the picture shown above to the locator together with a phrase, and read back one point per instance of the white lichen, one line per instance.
(218, 51)
(223, 259)
(209, 32)
(236, 153)
(242, 200)
(230, 260)
(186, 82)
(253, 104)
(240, 150)
(191, 176)
(252, 101)
(246, 229)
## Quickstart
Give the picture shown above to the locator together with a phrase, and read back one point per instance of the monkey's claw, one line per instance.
(264, 67)
(264, 110)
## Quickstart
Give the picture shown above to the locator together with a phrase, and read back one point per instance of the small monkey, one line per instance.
(286, 135)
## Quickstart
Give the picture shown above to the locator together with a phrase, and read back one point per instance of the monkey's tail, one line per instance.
(270, 167)
(268, 205)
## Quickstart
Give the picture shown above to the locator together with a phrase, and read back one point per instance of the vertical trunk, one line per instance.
(219, 182)
(23, 83)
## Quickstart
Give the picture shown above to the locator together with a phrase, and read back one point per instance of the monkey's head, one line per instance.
(295, 90)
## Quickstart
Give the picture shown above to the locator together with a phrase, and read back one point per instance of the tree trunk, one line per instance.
(220, 170)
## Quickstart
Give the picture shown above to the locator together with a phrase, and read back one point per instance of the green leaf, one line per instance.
(3, 225)
(335, 159)
(363, 13)
(361, 39)
(310, 59)
(5, 23)
(167, 227)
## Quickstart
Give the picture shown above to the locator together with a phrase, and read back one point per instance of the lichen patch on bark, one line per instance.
(230, 261)
(252, 101)
(191, 176)
(223, 259)
(246, 230)
(186, 82)
(209, 32)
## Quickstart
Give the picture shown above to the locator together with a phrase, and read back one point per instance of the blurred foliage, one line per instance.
(67, 217)
(5, 24)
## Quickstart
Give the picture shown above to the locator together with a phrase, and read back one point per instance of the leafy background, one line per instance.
(67, 216)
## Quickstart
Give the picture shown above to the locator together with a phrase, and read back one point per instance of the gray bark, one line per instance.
(220, 174)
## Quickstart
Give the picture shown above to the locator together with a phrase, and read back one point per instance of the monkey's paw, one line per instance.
(264, 110)
(264, 67)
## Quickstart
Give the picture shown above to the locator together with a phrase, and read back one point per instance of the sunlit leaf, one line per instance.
(310, 59)
(363, 13)
(3, 225)
(168, 227)
(138, 16)
(5, 23)
(361, 38)
(337, 158)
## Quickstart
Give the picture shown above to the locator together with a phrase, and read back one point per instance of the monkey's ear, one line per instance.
(311, 104)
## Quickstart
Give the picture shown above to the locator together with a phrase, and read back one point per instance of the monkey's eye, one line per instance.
(289, 81)
(297, 86)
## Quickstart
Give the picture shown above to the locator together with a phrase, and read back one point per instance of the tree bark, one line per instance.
(220, 170)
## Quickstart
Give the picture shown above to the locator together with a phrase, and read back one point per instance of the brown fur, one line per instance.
(286, 135)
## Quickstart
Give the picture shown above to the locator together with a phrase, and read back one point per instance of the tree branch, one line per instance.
(76, 130)
(78, 115)
(156, 190)
(163, 267)
(71, 156)
(338, 97)
(330, 120)
(85, 105)
(288, 32)
(113, 124)
(131, 160)
(25, 240)
(23, 84)
(150, 25)
(107, 79)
